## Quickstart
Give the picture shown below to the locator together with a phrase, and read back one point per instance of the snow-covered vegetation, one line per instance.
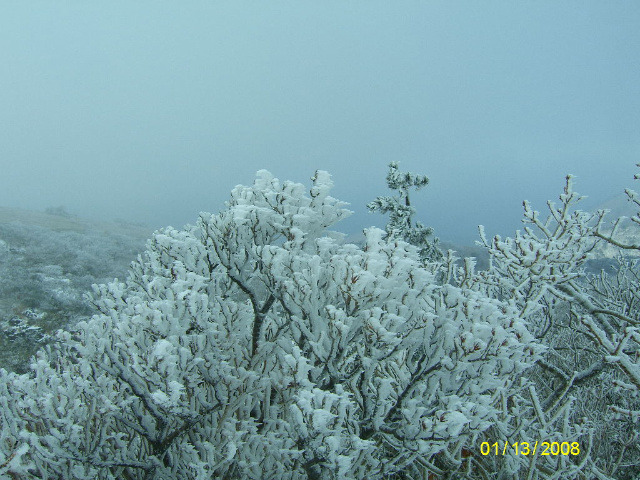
(258, 344)
(47, 264)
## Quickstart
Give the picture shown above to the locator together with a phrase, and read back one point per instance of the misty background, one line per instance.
(153, 111)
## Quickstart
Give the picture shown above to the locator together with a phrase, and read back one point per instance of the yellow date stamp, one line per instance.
(526, 448)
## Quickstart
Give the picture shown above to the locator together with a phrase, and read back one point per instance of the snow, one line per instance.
(296, 349)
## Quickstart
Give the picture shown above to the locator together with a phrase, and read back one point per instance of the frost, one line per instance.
(401, 213)
(255, 344)
(163, 348)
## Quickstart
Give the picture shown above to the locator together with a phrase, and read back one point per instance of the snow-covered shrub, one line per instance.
(588, 379)
(256, 344)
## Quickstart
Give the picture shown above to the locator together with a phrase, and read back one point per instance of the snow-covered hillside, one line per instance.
(47, 263)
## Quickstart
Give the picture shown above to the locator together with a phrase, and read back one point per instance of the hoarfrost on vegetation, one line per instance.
(255, 344)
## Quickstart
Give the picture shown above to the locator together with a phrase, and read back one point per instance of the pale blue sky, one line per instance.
(153, 111)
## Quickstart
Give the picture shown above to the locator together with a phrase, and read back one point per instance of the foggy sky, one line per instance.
(153, 111)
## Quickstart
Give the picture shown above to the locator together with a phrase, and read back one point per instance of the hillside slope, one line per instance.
(47, 263)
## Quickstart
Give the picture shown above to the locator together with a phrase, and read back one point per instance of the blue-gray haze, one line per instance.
(153, 111)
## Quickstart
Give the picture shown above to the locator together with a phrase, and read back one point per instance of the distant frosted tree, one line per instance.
(254, 345)
(401, 223)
